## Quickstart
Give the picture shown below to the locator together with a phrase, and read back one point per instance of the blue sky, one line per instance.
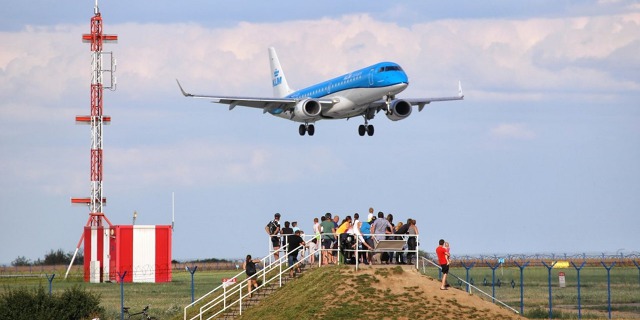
(541, 156)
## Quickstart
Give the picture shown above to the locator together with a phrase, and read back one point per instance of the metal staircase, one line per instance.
(230, 299)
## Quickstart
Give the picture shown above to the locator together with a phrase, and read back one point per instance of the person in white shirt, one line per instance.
(313, 250)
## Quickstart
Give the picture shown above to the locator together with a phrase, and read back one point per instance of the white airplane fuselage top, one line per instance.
(363, 92)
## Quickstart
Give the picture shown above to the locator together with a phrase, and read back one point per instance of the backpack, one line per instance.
(251, 268)
(272, 226)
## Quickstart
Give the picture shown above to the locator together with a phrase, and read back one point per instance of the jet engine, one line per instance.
(307, 109)
(400, 109)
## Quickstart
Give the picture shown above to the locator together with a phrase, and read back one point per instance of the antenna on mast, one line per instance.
(173, 209)
(96, 120)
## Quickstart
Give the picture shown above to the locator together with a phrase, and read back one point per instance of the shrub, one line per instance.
(73, 303)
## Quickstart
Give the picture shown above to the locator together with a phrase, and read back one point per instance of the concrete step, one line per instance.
(258, 295)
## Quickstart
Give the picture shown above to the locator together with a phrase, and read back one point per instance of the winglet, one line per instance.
(183, 92)
(460, 94)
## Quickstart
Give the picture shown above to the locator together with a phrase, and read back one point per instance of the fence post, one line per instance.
(50, 280)
(637, 266)
(608, 268)
(357, 252)
(521, 266)
(549, 267)
(192, 286)
(493, 279)
(468, 267)
(121, 278)
(578, 270)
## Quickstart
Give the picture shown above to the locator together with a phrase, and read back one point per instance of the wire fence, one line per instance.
(552, 285)
(592, 259)
(602, 285)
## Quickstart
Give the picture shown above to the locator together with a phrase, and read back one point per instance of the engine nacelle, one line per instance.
(307, 109)
(400, 109)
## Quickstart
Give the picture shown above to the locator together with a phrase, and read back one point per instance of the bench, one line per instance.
(388, 245)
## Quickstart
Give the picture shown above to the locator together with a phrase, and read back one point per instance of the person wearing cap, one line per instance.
(273, 229)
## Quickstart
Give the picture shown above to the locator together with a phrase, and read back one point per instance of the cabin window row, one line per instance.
(314, 92)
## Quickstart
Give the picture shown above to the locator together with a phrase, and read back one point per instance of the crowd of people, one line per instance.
(333, 235)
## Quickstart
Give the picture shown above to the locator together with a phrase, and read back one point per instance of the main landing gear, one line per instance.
(365, 128)
(307, 128)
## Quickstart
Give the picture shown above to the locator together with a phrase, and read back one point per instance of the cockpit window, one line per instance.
(390, 68)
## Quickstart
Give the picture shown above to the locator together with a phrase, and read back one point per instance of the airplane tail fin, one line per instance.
(278, 80)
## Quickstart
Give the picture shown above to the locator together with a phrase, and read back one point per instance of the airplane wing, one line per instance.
(421, 102)
(266, 104)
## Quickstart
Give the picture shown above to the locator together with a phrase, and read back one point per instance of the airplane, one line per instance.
(363, 92)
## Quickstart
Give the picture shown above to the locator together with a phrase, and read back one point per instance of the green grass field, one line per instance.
(625, 289)
(167, 300)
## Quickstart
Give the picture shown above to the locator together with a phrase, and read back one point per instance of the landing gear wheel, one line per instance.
(361, 130)
(302, 129)
(370, 130)
(311, 129)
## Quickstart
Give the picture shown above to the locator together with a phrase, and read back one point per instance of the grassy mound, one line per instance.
(371, 293)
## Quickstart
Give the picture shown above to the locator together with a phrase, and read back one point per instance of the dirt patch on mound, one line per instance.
(404, 293)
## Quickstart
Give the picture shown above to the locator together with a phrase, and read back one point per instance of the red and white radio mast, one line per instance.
(96, 120)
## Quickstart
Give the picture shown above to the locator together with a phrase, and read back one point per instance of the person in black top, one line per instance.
(404, 229)
(249, 266)
(273, 229)
(285, 233)
(295, 241)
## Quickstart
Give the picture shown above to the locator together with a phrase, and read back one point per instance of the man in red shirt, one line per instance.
(441, 251)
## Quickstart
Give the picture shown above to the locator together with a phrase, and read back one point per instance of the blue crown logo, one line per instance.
(276, 73)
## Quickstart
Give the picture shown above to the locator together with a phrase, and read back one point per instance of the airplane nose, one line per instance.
(399, 78)
(404, 78)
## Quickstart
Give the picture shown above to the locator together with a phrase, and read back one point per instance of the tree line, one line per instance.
(56, 257)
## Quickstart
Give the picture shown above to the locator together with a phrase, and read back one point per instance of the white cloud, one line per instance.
(528, 57)
(217, 164)
(497, 60)
(516, 131)
(501, 55)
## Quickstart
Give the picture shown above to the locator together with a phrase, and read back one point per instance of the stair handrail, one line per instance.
(264, 283)
(262, 261)
(238, 288)
(423, 259)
